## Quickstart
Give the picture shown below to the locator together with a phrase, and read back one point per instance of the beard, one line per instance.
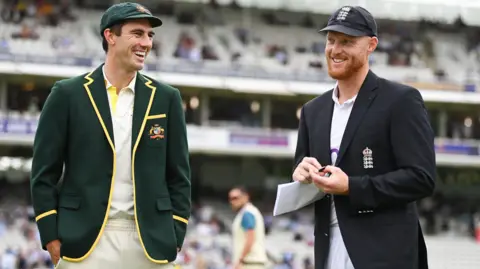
(352, 66)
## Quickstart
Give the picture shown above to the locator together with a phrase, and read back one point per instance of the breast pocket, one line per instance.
(156, 130)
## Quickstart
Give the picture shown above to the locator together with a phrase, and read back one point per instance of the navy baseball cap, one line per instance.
(352, 21)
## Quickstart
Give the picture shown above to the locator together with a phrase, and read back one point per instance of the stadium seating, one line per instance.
(265, 47)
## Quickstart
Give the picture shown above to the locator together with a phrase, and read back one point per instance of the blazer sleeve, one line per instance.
(302, 150)
(47, 164)
(412, 145)
(178, 167)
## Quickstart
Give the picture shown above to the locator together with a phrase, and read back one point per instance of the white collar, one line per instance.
(131, 85)
(335, 96)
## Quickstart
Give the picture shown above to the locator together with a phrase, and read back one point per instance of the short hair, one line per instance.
(242, 189)
(116, 29)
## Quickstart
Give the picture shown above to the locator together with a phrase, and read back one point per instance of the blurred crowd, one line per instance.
(197, 40)
(208, 242)
(32, 14)
(207, 245)
(44, 12)
(19, 240)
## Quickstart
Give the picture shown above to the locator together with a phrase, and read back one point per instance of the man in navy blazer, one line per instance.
(373, 142)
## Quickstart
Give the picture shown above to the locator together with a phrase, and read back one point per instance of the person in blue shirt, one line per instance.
(248, 221)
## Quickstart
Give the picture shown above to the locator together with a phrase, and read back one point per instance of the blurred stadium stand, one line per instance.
(243, 74)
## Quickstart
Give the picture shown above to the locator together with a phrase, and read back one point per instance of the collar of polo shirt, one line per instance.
(131, 85)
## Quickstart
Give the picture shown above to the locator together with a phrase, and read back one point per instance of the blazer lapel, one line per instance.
(97, 93)
(322, 132)
(144, 94)
(365, 97)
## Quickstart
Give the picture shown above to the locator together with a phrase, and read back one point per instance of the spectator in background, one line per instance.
(186, 48)
(9, 259)
(156, 48)
(4, 46)
(26, 32)
(248, 228)
(279, 53)
(208, 53)
(65, 10)
(62, 44)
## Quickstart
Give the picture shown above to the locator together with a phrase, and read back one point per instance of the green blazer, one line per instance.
(75, 136)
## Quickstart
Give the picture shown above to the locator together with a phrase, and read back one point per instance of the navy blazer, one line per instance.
(378, 219)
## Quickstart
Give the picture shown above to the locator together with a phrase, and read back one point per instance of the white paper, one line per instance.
(293, 196)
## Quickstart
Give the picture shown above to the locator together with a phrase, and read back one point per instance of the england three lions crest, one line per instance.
(367, 158)
(156, 132)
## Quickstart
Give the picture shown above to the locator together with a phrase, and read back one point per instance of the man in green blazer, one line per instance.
(118, 140)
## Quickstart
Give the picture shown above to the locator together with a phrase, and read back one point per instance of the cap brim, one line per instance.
(154, 21)
(344, 30)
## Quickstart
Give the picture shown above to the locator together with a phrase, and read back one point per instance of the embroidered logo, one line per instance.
(156, 132)
(342, 15)
(142, 9)
(367, 158)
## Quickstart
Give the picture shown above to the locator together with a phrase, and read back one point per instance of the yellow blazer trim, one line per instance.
(159, 116)
(152, 95)
(86, 86)
(175, 217)
(43, 215)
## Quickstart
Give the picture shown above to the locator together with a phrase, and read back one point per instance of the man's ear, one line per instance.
(372, 45)
(108, 34)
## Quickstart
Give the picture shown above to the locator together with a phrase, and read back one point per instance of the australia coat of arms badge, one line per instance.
(156, 132)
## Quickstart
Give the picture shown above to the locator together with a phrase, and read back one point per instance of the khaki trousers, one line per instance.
(119, 248)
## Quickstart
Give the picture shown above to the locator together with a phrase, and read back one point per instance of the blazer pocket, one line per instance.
(164, 204)
(158, 116)
(155, 131)
(70, 202)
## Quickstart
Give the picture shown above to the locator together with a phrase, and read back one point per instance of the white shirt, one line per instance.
(121, 109)
(338, 255)
(341, 114)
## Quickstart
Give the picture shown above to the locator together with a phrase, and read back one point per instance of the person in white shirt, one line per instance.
(248, 229)
(118, 139)
(368, 145)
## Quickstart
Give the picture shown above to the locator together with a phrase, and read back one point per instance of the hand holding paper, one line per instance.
(295, 195)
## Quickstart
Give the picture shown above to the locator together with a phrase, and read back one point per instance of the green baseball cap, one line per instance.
(126, 11)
